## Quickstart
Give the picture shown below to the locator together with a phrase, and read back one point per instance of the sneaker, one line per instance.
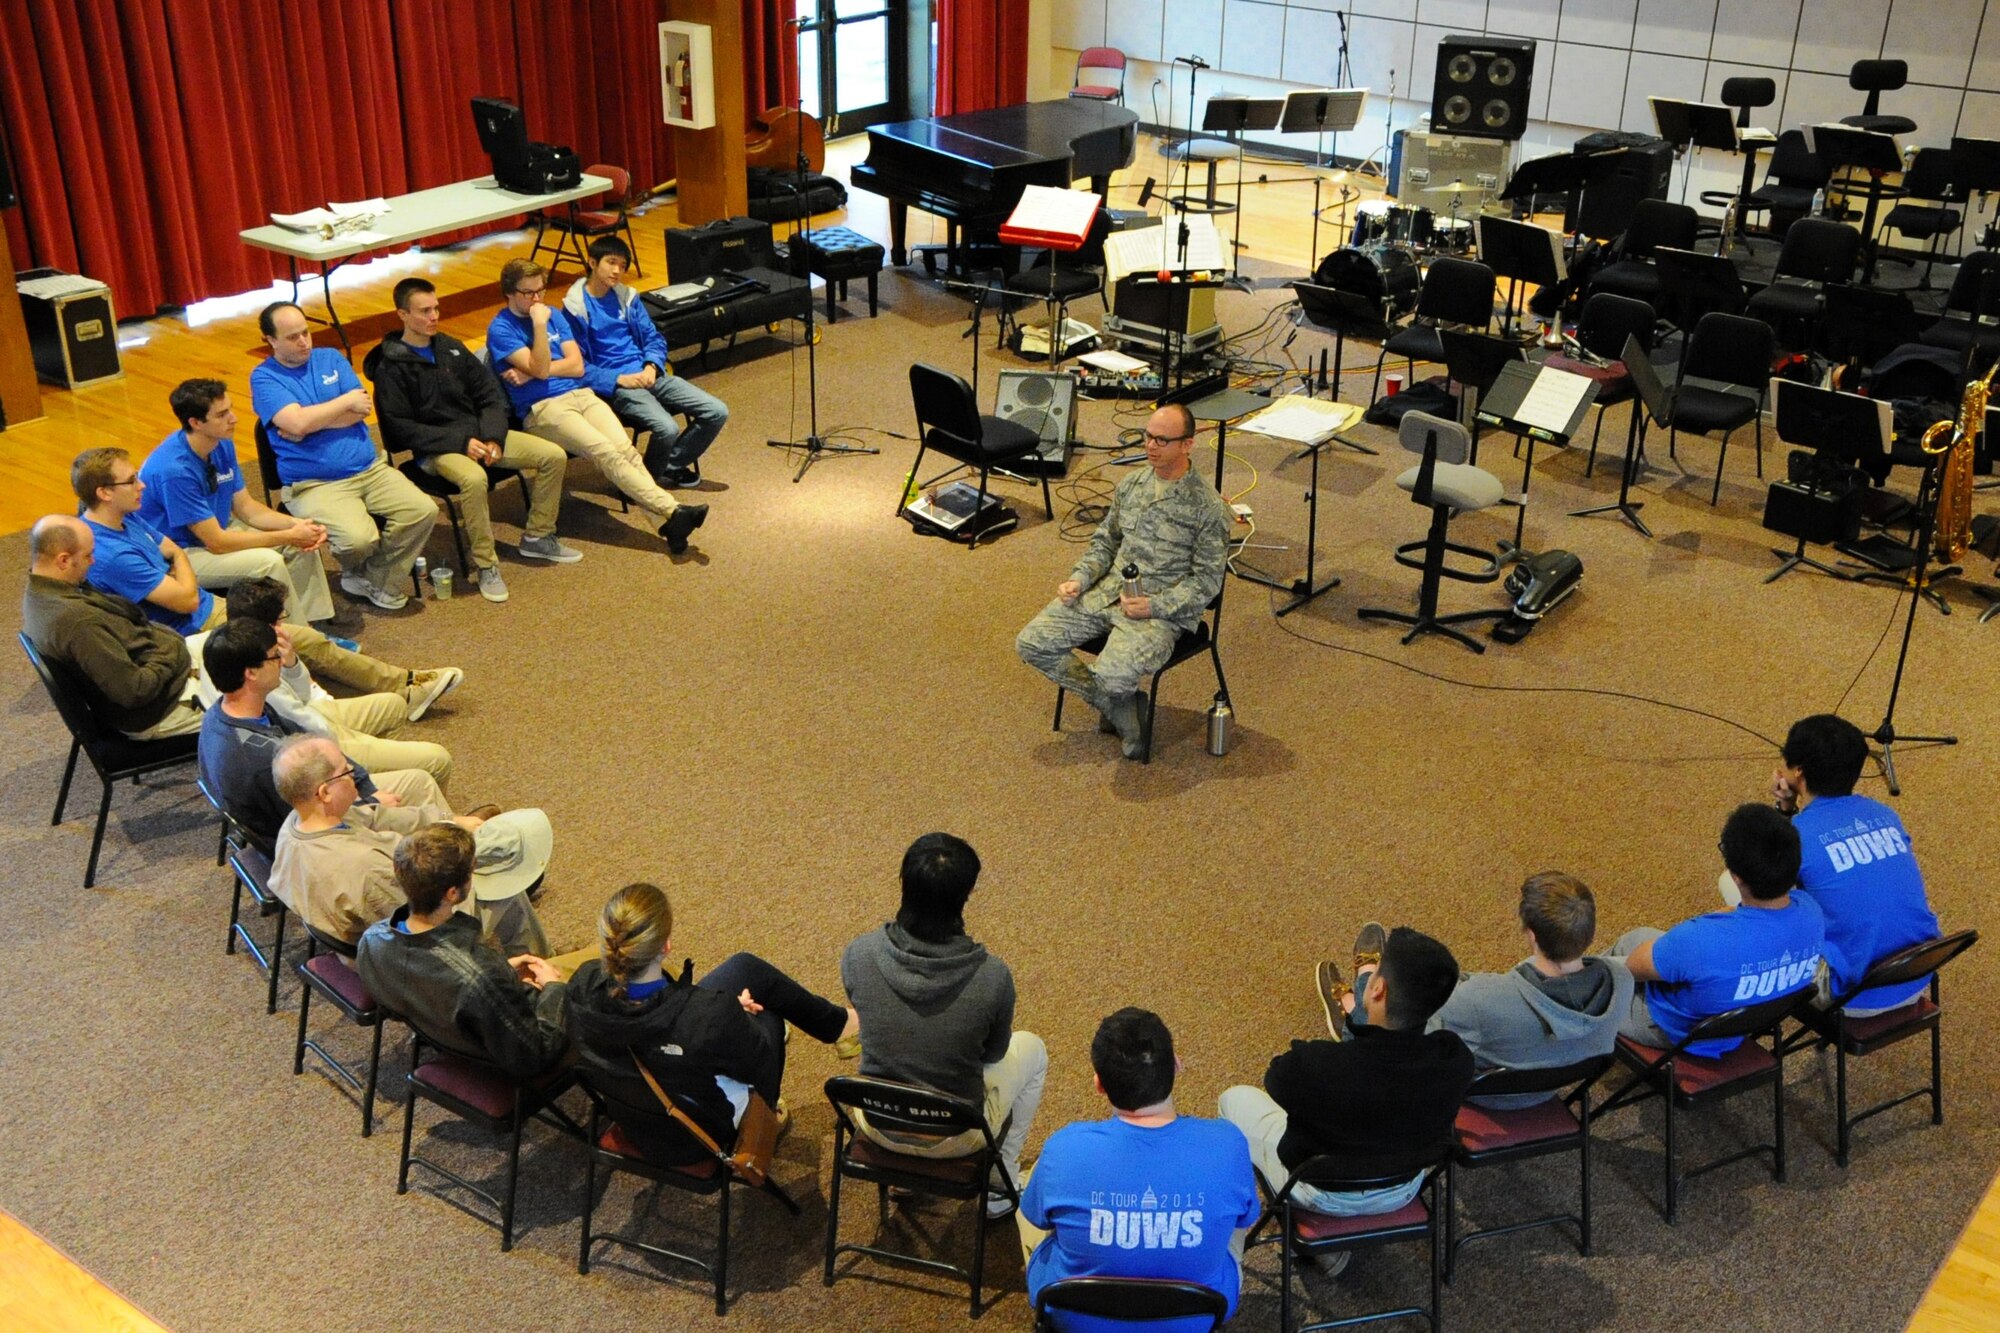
(548, 548)
(678, 479)
(427, 687)
(1329, 1265)
(356, 586)
(684, 520)
(999, 1206)
(491, 586)
(1332, 988)
(1368, 947)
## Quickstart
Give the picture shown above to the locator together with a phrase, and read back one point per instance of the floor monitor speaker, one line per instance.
(1045, 402)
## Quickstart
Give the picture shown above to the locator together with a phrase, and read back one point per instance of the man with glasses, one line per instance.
(1171, 529)
(340, 874)
(194, 493)
(315, 413)
(439, 401)
(535, 351)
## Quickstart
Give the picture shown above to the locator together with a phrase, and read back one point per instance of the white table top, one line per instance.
(412, 217)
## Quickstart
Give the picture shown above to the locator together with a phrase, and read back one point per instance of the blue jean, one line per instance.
(785, 1001)
(672, 448)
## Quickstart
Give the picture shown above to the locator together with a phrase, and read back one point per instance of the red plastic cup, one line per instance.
(1392, 385)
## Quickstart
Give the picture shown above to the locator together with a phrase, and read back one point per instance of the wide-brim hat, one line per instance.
(510, 852)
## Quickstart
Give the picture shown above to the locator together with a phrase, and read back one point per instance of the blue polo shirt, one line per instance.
(182, 488)
(128, 562)
(508, 334)
(333, 454)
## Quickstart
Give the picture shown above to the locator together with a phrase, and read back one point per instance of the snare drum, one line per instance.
(1451, 236)
(1371, 221)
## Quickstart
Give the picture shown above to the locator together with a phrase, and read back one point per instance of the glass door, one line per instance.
(850, 57)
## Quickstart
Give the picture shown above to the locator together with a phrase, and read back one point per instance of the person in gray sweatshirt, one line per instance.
(937, 1009)
(1557, 1007)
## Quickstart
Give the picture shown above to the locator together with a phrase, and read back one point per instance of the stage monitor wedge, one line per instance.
(1481, 87)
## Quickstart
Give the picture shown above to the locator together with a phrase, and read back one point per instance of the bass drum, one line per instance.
(1383, 274)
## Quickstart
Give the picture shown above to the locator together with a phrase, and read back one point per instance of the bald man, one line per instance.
(136, 673)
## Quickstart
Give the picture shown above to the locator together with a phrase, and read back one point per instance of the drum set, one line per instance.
(1382, 258)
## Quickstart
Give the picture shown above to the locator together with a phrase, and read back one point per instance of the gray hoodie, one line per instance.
(1524, 1020)
(931, 1013)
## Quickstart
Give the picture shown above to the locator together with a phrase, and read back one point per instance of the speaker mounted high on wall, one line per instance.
(1045, 402)
(1481, 88)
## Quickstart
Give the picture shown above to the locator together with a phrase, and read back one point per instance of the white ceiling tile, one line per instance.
(1078, 24)
(1586, 86)
(1675, 27)
(1756, 34)
(1253, 38)
(1523, 18)
(1935, 36)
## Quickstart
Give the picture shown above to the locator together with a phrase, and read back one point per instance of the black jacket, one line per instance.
(435, 409)
(686, 1036)
(462, 995)
(1382, 1101)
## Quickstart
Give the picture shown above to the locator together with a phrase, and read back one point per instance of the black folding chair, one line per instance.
(1201, 639)
(949, 423)
(331, 976)
(1136, 1300)
(1304, 1232)
(250, 863)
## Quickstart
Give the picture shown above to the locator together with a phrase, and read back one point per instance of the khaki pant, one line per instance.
(363, 726)
(541, 464)
(1013, 1090)
(328, 661)
(584, 425)
(349, 507)
(302, 571)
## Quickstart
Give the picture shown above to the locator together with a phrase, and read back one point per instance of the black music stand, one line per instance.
(1571, 174)
(1975, 165)
(1838, 428)
(1511, 405)
(1842, 147)
(1303, 588)
(1698, 284)
(1520, 252)
(1695, 125)
(1230, 116)
(1345, 313)
(1650, 396)
(1323, 111)
(1919, 580)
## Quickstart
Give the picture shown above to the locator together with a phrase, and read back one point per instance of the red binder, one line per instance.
(1050, 218)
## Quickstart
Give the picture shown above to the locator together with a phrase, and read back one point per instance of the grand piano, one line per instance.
(971, 168)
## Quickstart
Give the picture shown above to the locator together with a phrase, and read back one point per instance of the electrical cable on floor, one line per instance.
(1288, 627)
(1866, 662)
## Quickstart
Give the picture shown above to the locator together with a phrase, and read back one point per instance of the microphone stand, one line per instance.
(1885, 735)
(815, 446)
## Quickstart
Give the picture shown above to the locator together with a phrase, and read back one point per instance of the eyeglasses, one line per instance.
(132, 480)
(525, 291)
(347, 772)
(274, 656)
(1152, 439)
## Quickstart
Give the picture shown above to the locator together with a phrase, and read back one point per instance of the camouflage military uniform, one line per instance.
(1177, 534)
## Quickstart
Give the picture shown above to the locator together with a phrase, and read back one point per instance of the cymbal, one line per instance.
(1456, 187)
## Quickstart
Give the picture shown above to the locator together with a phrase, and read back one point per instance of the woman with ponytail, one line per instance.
(708, 1043)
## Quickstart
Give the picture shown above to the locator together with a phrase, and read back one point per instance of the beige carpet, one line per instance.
(763, 726)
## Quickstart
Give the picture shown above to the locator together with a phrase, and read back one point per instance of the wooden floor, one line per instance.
(1276, 226)
(42, 1290)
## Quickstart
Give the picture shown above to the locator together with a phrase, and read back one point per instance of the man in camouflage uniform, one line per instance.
(1171, 525)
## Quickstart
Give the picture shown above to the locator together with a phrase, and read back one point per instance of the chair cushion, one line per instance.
(840, 252)
(1001, 441)
(1629, 277)
(1419, 341)
(1785, 299)
(1315, 1227)
(1702, 410)
(1694, 1075)
(1922, 221)
(1878, 1026)
(255, 864)
(1096, 90)
(957, 1171)
(1483, 1129)
(1459, 485)
(1882, 124)
(599, 219)
(614, 1140)
(339, 977)
(1068, 283)
(1203, 150)
(486, 1090)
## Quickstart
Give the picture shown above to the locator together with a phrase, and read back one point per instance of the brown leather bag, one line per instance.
(756, 1134)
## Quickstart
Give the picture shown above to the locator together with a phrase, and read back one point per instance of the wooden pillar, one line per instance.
(709, 163)
(20, 393)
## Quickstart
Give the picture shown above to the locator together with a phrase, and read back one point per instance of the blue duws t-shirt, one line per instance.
(182, 488)
(1723, 960)
(128, 562)
(1120, 1200)
(508, 334)
(333, 454)
(1859, 869)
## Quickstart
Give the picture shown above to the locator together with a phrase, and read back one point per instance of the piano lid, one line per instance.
(1015, 135)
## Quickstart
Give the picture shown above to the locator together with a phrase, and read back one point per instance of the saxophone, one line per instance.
(1955, 439)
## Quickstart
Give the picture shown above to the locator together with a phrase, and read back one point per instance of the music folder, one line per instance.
(1050, 218)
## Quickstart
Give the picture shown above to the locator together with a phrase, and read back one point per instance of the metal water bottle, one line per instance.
(1132, 588)
(423, 575)
(1220, 716)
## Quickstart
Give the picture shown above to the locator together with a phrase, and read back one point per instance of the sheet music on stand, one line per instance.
(1538, 400)
(1301, 419)
(1151, 249)
(1055, 219)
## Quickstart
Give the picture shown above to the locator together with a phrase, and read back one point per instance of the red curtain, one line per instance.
(146, 133)
(982, 54)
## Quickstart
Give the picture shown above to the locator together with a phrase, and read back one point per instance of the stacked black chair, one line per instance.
(1455, 291)
(1655, 223)
(949, 422)
(113, 754)
(1816, 252)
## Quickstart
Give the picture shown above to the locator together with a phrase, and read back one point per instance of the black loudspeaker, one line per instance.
(1481, 88)
(1643, 171)
(727, 245)
(1044, 402)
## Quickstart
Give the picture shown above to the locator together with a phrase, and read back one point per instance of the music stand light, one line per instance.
(1323, 111)
(1844, 148)
(1841, 429)
(1520, 252)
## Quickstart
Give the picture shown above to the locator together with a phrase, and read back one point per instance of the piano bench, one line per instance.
(835, 255)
